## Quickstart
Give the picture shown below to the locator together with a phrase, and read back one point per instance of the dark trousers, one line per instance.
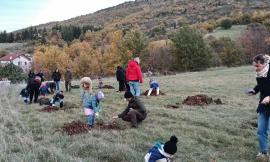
(34, 92)
(122, 86)
(68, 85)
(133, 116)
(127, 86)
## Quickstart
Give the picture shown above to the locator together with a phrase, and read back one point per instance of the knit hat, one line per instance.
(170, 146)
(100, 95)
(137, 59)
(128, 94)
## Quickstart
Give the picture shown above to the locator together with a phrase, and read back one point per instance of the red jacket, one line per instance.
(134, 72)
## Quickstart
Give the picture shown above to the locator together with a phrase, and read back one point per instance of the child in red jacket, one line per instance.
(134, 76)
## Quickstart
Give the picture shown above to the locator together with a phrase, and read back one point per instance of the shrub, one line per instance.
(191, 51)
(226, 23)
(13, 73)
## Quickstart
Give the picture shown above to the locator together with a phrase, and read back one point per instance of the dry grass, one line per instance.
(217, 132)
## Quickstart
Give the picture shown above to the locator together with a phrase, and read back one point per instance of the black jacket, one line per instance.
(263, 86)
(56, 76)
(120, 74)
(136, 104)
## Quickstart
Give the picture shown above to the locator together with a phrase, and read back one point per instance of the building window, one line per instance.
(25, 63)
(19, 63)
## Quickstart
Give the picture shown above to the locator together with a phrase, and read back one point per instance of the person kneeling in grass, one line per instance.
(135, 111)
(161, 152)
(92, 107)
(25, 95)
(58, 99)
(153, 85)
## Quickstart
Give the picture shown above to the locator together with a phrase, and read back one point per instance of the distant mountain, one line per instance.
(163, 14)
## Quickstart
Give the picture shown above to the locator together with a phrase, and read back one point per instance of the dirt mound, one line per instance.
(154, 93)
(49, 109)
(70, 105)
(75, 86)
(172, 106)
(75, 127)
(108, 87)
(78, 127)
(201, 100)
(44, 101)
(108, 126)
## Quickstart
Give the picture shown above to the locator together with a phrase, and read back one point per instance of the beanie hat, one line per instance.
(170, 146)
(100, 95)
(128, 94)
(137, 59)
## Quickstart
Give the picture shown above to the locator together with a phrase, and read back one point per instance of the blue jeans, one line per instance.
(90, 119)
(134, 88)
(262, 132)
(57, 83)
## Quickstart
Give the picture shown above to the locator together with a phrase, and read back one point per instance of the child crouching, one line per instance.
(58, 99)
(153, 85)
(25, 95)
(162, 152)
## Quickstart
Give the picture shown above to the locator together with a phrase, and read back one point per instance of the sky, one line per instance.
(18, 14)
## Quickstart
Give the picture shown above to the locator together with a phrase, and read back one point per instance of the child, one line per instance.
(43, 90)
(25, 95)
(153, 85)
(91, 106)
(162, 152)
(100, 83)
(58, 98)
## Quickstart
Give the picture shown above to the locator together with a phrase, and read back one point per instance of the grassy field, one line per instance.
(222, 132)
(232, 33)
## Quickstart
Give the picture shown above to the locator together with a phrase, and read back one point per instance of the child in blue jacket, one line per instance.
(91, 105)
(25, 95)
(153, 85)
(162, 152)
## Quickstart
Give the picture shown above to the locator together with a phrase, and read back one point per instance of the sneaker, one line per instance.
(262, 155)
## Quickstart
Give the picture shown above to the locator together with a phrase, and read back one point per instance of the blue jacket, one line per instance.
(156, 153)
(24, 93)
(154, 84)
(90, 101)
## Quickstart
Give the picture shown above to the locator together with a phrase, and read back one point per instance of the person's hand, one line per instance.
(115, 117)
(250, 92)
(266, 100)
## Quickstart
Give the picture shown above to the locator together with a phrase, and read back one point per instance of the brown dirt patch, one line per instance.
(201, 100)
(49, 109)
(108, 87)
(154, 93)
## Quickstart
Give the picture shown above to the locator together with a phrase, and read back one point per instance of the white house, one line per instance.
(17, 59)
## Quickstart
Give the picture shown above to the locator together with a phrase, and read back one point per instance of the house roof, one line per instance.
(11, 57)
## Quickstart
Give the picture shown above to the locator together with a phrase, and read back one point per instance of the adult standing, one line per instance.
(68, 78)
(33, 88)
(41, 75)
(134, 76)
(121, 78)
(56, 76)
(261, 66)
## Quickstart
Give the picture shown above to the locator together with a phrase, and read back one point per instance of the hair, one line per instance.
(259, 59)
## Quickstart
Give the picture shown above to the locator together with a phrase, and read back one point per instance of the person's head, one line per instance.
(57, 70)
(61, 92)
(137, 59)
(128, 95)
(151, 80)
(259, 62)
(170, 146)
(118, 67)
(100, 96)
(86, 83)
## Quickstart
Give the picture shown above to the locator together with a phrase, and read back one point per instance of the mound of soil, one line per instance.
(108, 126)
(108, 87)
(154, 93)
(78, 127)
(75, 127)
(44, 101)
(49, 109)
(172, 106)
(70, 105)
(75, 86)
(200, 100)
